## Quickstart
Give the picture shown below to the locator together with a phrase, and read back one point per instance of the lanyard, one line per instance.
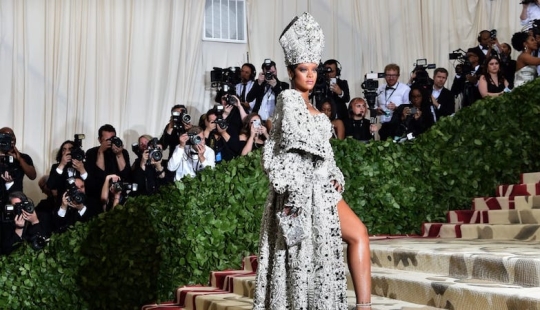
(388, 98)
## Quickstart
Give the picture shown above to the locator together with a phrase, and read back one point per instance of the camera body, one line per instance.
(14, 210)
(422, 77)
(154, 151)
(77, 152)
(123, 187)
(267, 67)
(412, 111)
(493, 34)
(6, 142)
(73, 193)
(179, 118)
(220, 76)
(464, 66)
(370, 86)
(229, 95)
(116, 141)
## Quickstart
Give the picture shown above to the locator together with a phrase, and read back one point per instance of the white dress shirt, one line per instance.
(399, 94)
(185, 161)
(248, 87)
(268, 104)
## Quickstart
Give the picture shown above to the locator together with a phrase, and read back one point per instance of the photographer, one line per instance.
(21, 224)
(409, 120)
(14, 165)
(115, 192)
(109, 157)
(247, 79)
(230, 108)
(149, 168)
(65, 168)
(487, 45)
(466, 79)
(392, 94)
(219, 135)
(76, 206)
(339, 88)
(177, 125)
(529, 12)
(191, 155)
(253, 134)
(265, 90)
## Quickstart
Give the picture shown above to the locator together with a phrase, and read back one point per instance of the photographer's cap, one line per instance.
(302, 40)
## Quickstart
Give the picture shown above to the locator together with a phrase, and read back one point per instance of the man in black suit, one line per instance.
(339, 88)
(442, 98)
(265, 90)
(485, 47)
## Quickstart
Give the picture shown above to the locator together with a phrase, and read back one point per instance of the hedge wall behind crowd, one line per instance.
(140, 252)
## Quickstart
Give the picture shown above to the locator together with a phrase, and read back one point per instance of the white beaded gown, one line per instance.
(299, 162)
(524, 75)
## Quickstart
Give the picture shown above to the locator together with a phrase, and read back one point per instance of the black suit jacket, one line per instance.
(257, 93)
(341, 103)
(447, 104)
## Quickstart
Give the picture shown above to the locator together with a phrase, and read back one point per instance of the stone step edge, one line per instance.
(451, 291)
(236, 301)
(529, 177)
(523, 232)
(506, 203)
(511, 216)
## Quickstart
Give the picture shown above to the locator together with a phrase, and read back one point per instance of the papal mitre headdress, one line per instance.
(302, 40)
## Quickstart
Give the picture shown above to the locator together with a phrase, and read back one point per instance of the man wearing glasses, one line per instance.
(392, 94)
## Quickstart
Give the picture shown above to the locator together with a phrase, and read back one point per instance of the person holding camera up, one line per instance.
(20, 223)
(220, 135)
(265, 91)
(14, 165)
(253, 134)
(339, 89)
(66, 167)
(76, 206)
(149, 169)
(179, 123)
(191, 155)
(529, 12)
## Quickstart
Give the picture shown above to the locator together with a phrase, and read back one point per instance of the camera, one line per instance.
(194, 139)
(493, 34)
(229, 93)
(5, 142)
(256, 123)
(38, 242)
(219, 76)
(370, 86)
(220, 121)
(154, 152)
(179, 118)
(14, 210)
(464, 66)
(73, 193)
(422, 77)
(268, 66)
(321, 90)
(118, 187)
(77, 152)
(413, 111)
(116, 141)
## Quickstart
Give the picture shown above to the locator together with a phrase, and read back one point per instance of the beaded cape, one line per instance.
(300, 165)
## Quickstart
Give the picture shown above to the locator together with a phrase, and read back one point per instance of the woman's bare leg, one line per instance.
(355, 234)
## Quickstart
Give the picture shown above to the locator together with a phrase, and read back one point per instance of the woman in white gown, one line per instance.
(525, 63)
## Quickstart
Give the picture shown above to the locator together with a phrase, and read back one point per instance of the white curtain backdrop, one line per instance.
(70, 66)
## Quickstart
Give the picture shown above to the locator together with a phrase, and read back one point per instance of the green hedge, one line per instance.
(140, 252)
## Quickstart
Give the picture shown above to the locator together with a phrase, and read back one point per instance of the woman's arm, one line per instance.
(340, 128)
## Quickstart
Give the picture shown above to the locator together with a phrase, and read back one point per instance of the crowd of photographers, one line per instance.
(82, 184)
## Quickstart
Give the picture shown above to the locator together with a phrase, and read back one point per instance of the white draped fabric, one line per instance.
(70, 66)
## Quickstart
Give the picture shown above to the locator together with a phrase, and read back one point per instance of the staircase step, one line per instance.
(505, 262)
(506, 203)
(531, 177)
(522, 232)
(529, 189)
(494, 217)
(452, 293)
(231, 301)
